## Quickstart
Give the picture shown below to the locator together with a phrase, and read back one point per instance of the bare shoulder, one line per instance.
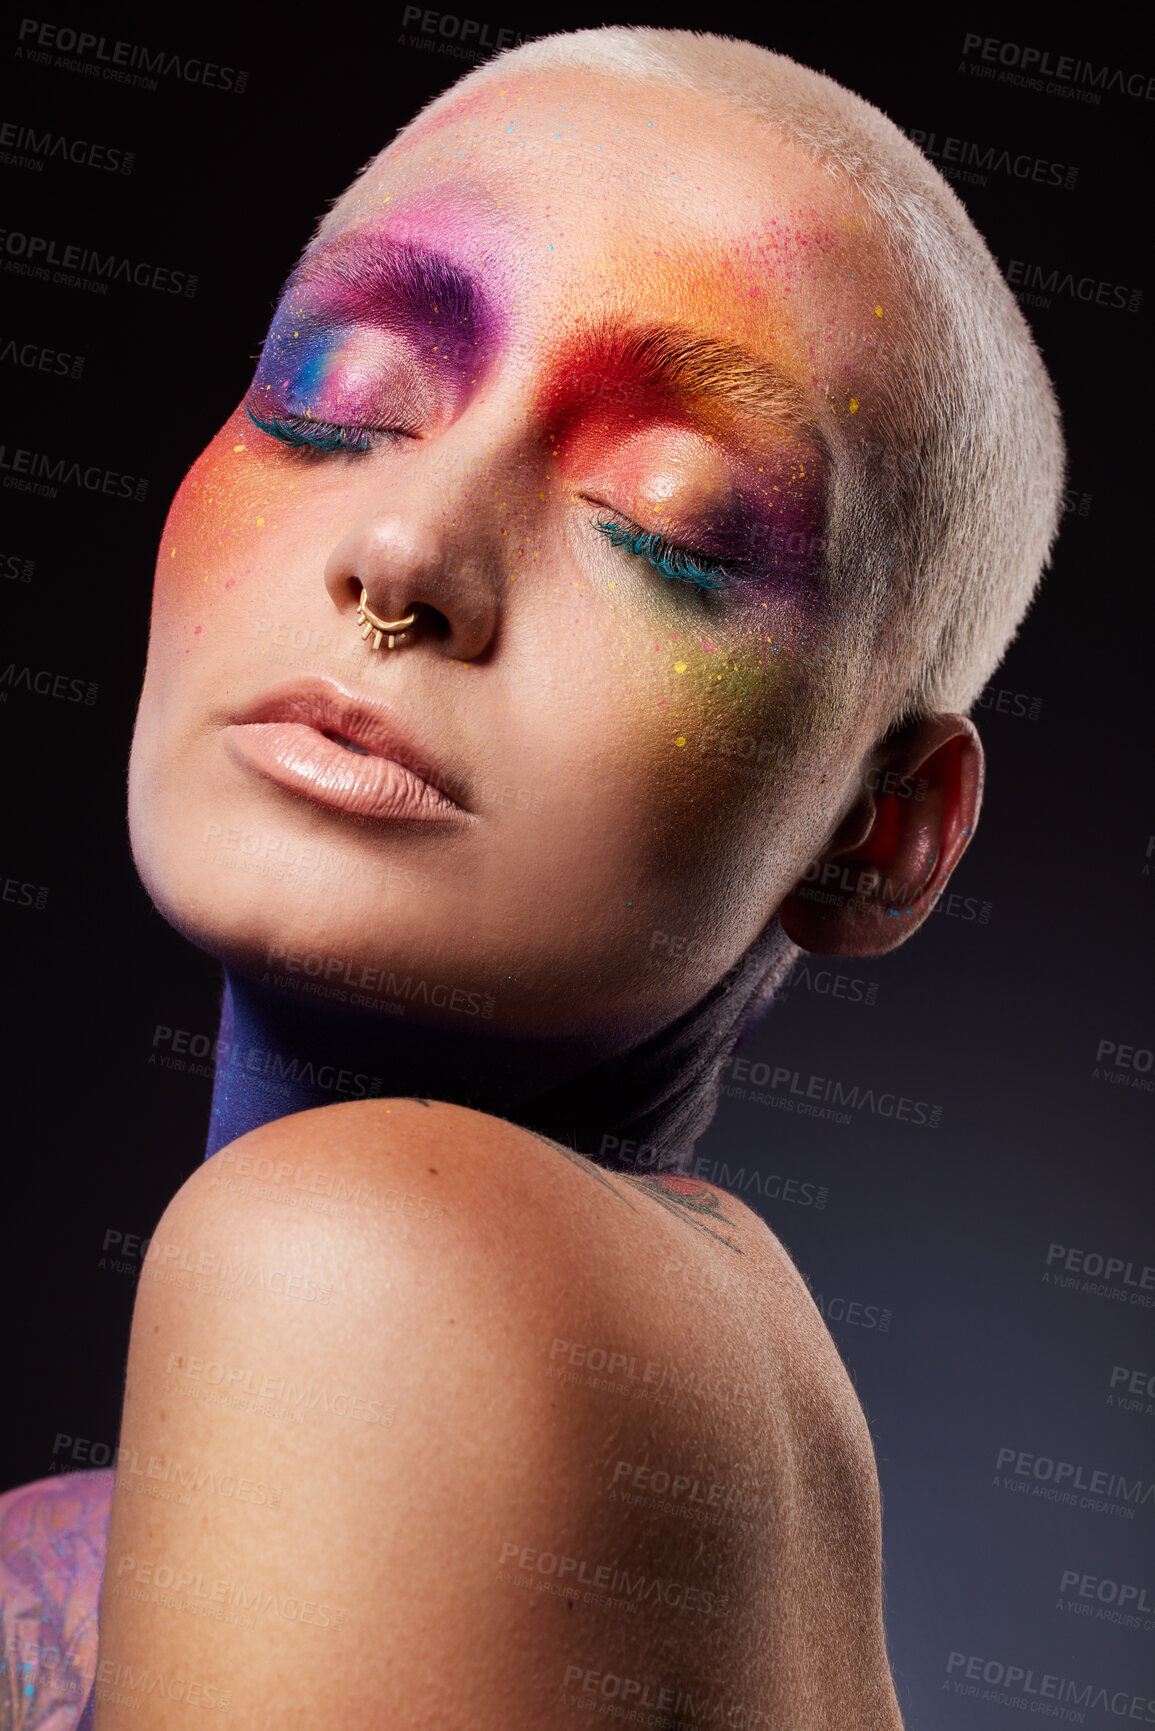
(413, 1158)
(472, 1196)
(454, 1182)
(570, 1433)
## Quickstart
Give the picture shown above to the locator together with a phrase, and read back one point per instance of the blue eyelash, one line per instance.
(665, 557)
(316, 435)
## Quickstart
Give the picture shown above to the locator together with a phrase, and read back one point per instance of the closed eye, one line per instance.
(304, 431)
(667, 557)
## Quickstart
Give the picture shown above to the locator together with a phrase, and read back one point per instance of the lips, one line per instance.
(345, 752)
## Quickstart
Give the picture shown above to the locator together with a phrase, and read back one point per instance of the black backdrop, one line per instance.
(983, 1271)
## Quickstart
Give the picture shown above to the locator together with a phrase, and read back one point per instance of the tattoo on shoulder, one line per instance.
(692, 1200)
(688, 1198)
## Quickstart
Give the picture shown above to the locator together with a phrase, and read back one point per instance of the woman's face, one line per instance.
(564, 371)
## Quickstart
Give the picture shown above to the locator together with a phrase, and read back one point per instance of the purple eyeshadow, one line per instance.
(354, 322)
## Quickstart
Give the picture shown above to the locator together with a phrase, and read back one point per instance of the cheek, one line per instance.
(671, 720)
(666, 696)
(742, 703)
(233, 516)
(762, 665)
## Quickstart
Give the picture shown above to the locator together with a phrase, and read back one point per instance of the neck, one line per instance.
(641, 1108)
(277, 1055)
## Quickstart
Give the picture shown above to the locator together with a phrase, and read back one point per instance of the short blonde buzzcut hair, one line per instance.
(949, 521)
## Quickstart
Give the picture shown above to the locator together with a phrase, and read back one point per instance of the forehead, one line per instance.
(581, 193)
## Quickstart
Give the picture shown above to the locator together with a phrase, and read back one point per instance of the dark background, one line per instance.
(929, 1254)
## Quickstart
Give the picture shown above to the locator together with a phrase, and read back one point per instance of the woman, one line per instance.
(647, 389)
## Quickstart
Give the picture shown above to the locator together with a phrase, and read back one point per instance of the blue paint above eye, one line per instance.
(314, 364)
(289, 387)
(294, 362)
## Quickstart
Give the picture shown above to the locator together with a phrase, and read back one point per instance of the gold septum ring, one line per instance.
(393, 630)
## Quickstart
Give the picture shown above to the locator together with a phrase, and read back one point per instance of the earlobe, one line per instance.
(893, 853)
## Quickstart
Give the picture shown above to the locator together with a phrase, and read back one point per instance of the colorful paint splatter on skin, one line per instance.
(342, 370)
(372, 338)
(360, 343)
(609, 430)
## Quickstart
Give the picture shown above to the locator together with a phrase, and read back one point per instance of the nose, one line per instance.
(426, 557)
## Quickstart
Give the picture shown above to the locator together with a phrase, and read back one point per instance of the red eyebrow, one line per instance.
(691, 365)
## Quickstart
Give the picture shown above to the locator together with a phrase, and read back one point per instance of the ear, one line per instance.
(892, 855)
